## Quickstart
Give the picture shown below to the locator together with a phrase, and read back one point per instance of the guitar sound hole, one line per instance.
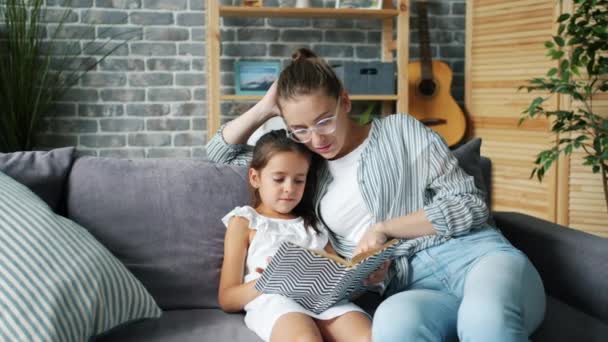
(427, 87)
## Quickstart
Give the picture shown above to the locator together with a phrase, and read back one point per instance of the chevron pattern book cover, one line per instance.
(315, 280)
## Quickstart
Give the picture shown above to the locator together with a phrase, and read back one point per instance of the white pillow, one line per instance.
(57, 283)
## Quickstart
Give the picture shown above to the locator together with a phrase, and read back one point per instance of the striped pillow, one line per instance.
(57, 283)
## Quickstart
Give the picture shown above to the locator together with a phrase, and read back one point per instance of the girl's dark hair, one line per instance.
(275, 142)
(307, 74)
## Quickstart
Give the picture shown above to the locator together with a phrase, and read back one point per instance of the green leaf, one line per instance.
(552, 72)
(568, 149)
(557, 126)
(557, 54)
(549, 44)
(521, 120)
(533, 173)
(575, 41)
(559, 41)
(576, 54)
(563, 17)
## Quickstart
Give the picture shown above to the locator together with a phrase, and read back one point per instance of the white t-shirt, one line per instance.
(342, 207)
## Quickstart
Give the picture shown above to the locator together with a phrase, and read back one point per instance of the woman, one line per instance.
(456, 277)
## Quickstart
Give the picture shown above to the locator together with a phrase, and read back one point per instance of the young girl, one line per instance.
(281, 211)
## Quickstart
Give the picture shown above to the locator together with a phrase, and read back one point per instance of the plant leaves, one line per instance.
(552, 72)
(563, 17)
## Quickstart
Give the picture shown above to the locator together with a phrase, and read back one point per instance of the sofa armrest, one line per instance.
(573, 264)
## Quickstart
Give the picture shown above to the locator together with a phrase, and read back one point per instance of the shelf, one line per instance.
(324, 13)
(394, 17)
(352, 97)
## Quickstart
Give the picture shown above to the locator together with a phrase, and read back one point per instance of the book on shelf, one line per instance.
(316, 279)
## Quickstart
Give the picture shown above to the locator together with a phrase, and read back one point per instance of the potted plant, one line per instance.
(580, 49)
(32, 74)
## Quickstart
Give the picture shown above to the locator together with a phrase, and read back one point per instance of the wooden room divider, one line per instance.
(505, 47)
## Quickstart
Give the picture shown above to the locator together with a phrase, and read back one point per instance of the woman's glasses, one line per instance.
(322, 127)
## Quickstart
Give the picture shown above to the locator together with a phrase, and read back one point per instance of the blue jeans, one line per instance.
(476, 287)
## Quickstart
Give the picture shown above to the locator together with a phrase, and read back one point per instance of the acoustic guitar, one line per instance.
(430, 100)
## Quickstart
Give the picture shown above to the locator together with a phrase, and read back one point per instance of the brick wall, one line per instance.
(149, 98)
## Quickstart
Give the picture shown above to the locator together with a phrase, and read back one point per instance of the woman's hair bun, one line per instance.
(302, 54)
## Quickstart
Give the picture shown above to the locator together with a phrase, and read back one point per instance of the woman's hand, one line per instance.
(378, 275)
(373, 238)
(267, 106)
(240, 129)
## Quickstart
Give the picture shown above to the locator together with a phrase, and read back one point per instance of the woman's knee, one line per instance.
(503, 299)
(487, 320)
(394, 317)
(417, 315)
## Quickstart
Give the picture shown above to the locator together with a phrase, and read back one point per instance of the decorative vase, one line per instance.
(302, 3)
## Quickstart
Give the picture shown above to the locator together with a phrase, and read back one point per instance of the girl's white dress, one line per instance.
(263, 312)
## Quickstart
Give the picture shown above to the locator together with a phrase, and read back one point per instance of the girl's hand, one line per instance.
(374, 238)
(267, 106)
(261, 270)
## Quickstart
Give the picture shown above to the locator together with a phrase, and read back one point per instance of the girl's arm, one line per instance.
(228, 146)
(233, 295)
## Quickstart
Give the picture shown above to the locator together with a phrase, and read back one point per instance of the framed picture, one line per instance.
(363, 4)
(255, 78)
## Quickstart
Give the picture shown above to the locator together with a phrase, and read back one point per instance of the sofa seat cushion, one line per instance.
(197, 325)
(57, 283)
(162, 219)
(564, 323)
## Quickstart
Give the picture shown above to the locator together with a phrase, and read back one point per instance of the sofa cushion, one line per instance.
(56, 282)
(44, 172)
(162, 219)
(470, 160)
(573, 264)
(564, 323)
(186, 326)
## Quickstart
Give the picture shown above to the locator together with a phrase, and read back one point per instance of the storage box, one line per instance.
(367, 78)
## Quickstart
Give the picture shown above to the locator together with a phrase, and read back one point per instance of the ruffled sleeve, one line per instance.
(256, 222)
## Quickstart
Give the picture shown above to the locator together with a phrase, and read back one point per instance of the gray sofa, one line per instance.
(161, 218)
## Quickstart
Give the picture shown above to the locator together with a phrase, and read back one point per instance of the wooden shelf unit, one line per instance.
(387, 14)
(323, 13)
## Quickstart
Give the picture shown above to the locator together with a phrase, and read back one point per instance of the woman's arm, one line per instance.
(233, 295)
(455, 205)
(228, 145)
(329, 249)
(404, 227)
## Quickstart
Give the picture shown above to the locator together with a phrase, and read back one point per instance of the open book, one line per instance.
(317, 280)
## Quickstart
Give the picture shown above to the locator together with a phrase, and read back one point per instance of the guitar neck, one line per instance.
(424, 41)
